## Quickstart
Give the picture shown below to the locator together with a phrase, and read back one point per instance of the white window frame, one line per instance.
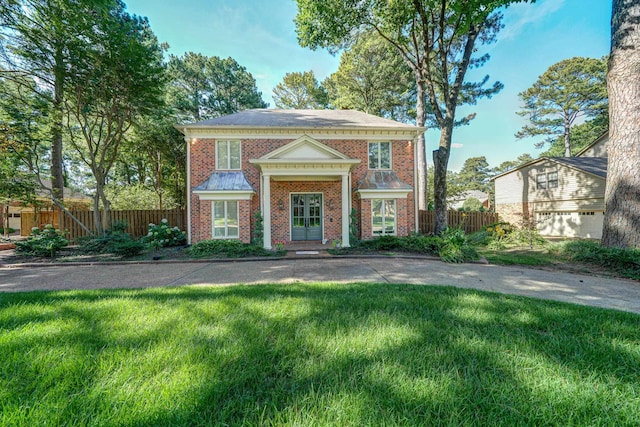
(227, 147)
(226, 219)
(552, 183)
(395, 217)
(541, 181)
(379, 160)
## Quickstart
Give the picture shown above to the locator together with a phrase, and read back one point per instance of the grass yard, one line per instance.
(313, 355)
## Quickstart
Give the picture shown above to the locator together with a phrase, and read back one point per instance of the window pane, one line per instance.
(385, 155)
(376, 216)
(223, 156)
(390, 217)
(232, 214)
(373, 155)
(234, 154)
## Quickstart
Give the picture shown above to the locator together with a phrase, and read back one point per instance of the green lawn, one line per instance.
(313, 354)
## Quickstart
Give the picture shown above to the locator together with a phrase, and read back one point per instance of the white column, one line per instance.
(346, 194)
(266, 209)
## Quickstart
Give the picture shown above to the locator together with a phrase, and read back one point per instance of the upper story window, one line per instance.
(546, 180)
(228, 155)
(379, 155)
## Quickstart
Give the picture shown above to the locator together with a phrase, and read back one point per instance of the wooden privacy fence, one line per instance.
(470, 222)
(138, 221)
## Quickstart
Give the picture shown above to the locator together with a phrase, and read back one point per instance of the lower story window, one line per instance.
(225, 219)
(383, 216)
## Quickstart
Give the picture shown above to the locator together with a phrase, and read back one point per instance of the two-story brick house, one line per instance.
(303, 171)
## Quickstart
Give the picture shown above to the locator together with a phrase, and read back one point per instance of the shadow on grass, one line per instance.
(360, 354)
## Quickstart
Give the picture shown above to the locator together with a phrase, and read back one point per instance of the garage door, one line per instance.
(587, 225)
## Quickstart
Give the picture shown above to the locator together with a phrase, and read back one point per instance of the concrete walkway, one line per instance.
(581, 289)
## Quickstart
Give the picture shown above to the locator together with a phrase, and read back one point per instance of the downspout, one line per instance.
(416, 215)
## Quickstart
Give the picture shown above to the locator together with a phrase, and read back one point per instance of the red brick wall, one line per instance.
(203, 164)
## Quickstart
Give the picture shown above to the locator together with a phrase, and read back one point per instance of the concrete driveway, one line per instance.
(576, 288)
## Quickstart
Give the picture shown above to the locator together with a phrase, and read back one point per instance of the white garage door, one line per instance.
(587, 225)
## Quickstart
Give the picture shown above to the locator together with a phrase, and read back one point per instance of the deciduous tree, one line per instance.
(622, 195)
(372, 77)
(568, 91)
(437, 39)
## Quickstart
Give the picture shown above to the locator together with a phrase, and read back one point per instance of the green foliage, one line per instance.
(414, 243)
(258, 229)
(626, 262)
(455, 247)
(203, 87)
(114, 241)
(581, 135)
(300, 91)
(472, 204)
(9, 230)
(136, 196)
(162, 236)
(569, 90)
(372, 77)
(44, 242)
(228, 249)
(354, 233)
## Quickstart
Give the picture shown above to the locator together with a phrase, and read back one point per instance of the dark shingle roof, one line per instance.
(383, 180)
(225, 181)
(593, 165)
(302, 119)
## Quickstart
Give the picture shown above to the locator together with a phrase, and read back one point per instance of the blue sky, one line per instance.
(260, 35)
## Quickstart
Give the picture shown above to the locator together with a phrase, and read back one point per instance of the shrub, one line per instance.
(227, 248)
(9, 230)
(422, 244)
(624, 261)
(162, 235)
(114, 241)
(455, 247)
(382, 243)
(45, 242)
(258, 230)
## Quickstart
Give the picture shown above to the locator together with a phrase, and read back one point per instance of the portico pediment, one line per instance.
(304, 148)
(305, 156)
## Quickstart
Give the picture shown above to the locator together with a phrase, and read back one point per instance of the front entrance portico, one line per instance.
(304, 159)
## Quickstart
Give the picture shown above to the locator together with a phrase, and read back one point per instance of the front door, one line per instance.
(306, 217)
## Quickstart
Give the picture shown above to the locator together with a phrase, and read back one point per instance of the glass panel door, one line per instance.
(306, 216)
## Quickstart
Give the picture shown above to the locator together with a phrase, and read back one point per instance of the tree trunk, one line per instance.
(567, 139)
(422, 157)
(57, 179)
(622, 195)
(440, 164)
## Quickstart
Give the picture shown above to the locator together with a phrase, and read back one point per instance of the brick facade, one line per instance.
(202, 153)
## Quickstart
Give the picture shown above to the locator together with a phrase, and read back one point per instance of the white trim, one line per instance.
(384, 194)
(239, 132)
(187, 140)
(224, 195)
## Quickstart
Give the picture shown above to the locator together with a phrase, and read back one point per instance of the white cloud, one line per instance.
(457, 145)
(519, 16)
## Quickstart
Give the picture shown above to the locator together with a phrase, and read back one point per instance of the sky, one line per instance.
(260, 35)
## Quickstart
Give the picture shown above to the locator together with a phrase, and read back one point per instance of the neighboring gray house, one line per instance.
(563, 195)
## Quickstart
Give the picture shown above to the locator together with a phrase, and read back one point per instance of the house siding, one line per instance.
(518, 198)
(202, 159)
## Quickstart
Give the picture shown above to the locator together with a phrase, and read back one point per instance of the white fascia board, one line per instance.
(224, 195)
(384, 194)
